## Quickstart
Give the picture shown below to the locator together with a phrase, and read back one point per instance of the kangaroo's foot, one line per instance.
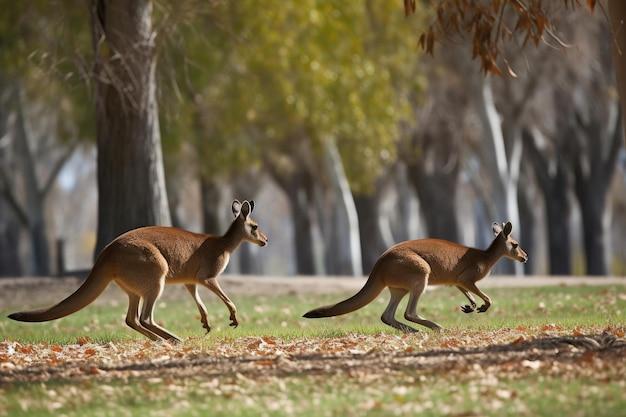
(427, 323)
(205, 325)
(483, 308)
(467, 308)
(233, 321)
(398, 325)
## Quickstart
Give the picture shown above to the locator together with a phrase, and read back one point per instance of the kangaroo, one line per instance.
(409, 267)
(144, 260)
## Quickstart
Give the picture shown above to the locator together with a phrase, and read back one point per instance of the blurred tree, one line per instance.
(39, 59)
(319, 106)
(435, 147)
(553, 177)
(131, 182)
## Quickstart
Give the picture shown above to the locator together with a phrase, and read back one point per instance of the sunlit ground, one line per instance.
(277, 363)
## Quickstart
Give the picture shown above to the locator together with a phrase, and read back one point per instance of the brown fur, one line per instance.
(409, 267)
(144, 260)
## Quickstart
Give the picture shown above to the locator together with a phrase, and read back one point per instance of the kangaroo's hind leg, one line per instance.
(411, 309)
(389, 315)
(147, 313)
(132, 317)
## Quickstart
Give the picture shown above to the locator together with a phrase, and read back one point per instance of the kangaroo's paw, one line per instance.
(233, 322)
(483, 308)
(468, 308)
(205, 326)
(406, 329)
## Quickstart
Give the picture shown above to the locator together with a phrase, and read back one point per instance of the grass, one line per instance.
(317, 396)
(280, 316)
(372, 394)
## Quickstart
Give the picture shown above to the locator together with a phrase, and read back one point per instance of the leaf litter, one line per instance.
(548, 348)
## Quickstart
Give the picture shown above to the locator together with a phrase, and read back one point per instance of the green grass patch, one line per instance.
(280, 316)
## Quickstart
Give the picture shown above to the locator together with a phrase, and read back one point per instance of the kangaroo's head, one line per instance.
(510, 246)
(248, 227)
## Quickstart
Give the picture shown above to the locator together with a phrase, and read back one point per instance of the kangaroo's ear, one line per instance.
(507, 228)
(251, 205)
(245, 209)
(236, 207)
(497, 228)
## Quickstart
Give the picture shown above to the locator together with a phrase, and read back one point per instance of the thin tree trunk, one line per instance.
(594, 238)
(9, 243)
(373, 243)
(34, 199)
(528, 226)
(131, 181)
(348, 254)
(503, 170)
(617, 16)
(10, 264)
(211, 196)
(559, 237)
(406, 224)
(301, 206)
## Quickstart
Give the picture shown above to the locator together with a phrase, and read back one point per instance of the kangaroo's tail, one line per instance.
(366, 295)
(83, 296)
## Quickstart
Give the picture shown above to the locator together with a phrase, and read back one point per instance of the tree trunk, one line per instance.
(528, 226)
(131, 181)
(297, 187)
(592, 212)
(559, 237)
(552, 178)
(10, 264)
(347, 257)
(436, 192)
(248, 264)
(503, 169)
(617, 16)
(211, 197)
(33, 197)
(406, 213)
(373, 243)
(9, 243)
(301, 206)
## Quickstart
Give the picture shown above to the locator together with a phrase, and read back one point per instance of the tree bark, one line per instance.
(594, 238)
(131, 180)
(528, 224)
(503, 168)
(373, 243)
(436, 189)
(33, 197)
(211, 196)
(347, 256)
(298, 188)
(617, 16)
(552, 177)
(10, 264)
(9, 243)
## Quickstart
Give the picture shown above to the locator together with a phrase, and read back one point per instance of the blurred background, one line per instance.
(326, 113)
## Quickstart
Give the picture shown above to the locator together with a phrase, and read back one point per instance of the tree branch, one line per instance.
(56, 170)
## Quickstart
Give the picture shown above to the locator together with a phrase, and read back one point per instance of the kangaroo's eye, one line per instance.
(515, 245)
(254, 227)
